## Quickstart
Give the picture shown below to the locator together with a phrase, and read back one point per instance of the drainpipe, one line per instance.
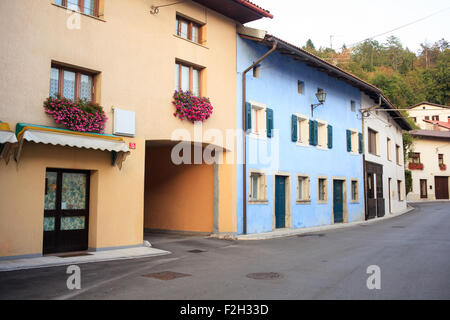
(366, 212)
(244, 136)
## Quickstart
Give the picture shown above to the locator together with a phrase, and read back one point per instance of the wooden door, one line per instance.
(441, 188)
(338, 201)
(66, 211)
(280, 202)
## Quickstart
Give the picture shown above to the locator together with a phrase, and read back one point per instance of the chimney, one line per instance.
(435, 126)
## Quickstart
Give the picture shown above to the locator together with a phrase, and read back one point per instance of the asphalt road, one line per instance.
(412, 251)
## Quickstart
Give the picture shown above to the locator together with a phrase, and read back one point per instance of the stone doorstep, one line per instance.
(91, 257)
(283, 233)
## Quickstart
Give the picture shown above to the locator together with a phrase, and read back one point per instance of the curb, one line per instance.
(294, 232)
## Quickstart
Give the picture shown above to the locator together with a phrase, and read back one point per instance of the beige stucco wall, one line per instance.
(429, 150)
(423, 110)
(135, 53)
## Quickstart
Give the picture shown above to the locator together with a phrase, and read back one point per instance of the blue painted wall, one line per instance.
(277, 89)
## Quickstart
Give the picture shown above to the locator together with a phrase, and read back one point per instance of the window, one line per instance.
(373, 142)
(322, 190)
(303, 192)
(187, 78)
(257, 186)
(353, 106)
(435, 118)
(427, 117)
(414, 119)
(189, 30)
(301, 87)
(389, 147)
(322, 134)
(354, 142)
(397, 154)
(441, 159)
(355, 191)
(399, 190)
(71, 84)
(415, 157)
(89, 7)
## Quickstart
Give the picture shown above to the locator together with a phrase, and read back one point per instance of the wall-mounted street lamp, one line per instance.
(321, 97)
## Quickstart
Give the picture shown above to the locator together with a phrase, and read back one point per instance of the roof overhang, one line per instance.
(242, 11)
(62, 137)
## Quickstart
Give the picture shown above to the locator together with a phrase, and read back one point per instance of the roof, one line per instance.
(429, 104)
(310, 59)
(431, 134)
(242, 11)
(439, 123)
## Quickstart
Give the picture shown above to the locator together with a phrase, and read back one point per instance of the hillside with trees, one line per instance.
(405, 77)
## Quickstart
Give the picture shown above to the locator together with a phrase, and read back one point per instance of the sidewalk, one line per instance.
(282, 233)
(88, 257)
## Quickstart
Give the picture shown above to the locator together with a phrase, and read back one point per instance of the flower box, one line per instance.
(443, 167)
(190, 107)
(81, 116)
(415, 166)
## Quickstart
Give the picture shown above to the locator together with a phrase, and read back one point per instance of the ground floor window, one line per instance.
(423, 189)
(303, 193)
(399, 190)
(257, 186)
(355, 191)
(322, 190)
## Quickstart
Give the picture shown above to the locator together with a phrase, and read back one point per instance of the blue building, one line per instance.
(303, 159)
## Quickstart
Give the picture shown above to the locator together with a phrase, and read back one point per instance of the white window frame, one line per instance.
(302, 130)
(355, 142)
(325, 200)
(262, 187)
(259, 120)
(322, 132)
(306, 189)
(356, 200)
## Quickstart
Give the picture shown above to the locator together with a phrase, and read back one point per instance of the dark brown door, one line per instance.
(66, 211)
(441, 188)
(423, 189)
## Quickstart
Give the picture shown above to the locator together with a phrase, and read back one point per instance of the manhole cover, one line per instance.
(72, 255)
(166, 275)
(196, 251)
(264, 276)
(398, 227)
(311, 235)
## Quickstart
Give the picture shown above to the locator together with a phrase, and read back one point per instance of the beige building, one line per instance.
(62, 192)
(429, 161)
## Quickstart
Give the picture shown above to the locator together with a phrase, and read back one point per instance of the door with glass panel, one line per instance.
(66, 211)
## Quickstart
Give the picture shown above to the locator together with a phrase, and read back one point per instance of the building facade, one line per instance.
(303, 167)
(384, 159)
(431, 151)
(63, 193)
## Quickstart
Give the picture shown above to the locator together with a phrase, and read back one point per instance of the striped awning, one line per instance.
(6, 135)
(64, 137)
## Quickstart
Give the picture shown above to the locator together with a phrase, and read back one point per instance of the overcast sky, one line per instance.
(350, 21)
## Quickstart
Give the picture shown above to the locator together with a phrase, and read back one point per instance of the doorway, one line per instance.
(338, 201)
(280, 202)
(66, 211)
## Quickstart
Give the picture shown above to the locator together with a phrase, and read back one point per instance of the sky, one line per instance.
(351, 21)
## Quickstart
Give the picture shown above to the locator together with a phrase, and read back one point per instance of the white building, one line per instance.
(429, 162)
(384, 161)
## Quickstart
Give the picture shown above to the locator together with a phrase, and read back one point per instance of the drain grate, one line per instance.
(72, 255)
(196, 251)
(264, 276)
(320, 235)
(166, 275)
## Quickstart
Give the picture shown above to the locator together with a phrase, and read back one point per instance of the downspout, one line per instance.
(244, 136)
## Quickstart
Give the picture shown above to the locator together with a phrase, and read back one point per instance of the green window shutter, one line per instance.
(360, 143)
(311, 132)
(269, 122)
(248, 116)
(316, 133)
(349, 141)
(330, 137)
(294, 128)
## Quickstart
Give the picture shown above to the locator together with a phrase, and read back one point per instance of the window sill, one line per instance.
(190, 41)
(81, 13)
(322, 202)
(256, 202)
(322, 148)
(257, 136)
(301, 144)
(304, 202)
